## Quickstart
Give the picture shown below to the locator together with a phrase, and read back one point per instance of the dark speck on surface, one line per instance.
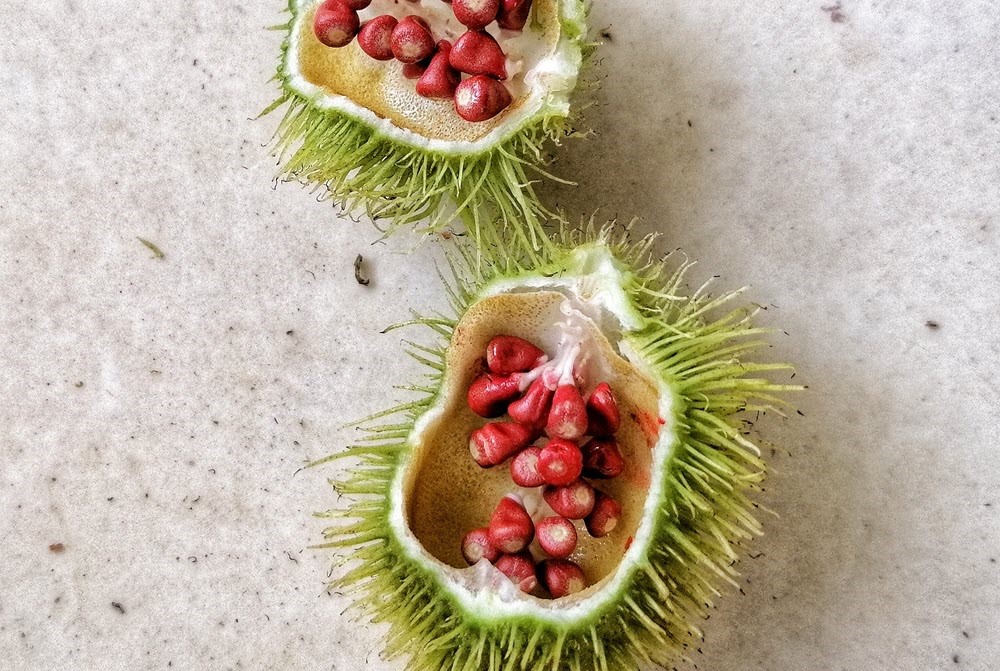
(836, 12)
(117, 606)
(57, 548)
(358, 275)
(932, 325)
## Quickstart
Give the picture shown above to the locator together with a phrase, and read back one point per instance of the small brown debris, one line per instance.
(932, 325)
(157, 252)
(57, 548)
(117, 606)
(361, 279)
(836, 12)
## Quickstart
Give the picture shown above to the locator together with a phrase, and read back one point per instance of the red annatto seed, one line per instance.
(476, 546)
(562, 577)
(532, 409)
(574, 501)
(520, 568)
(375, 37)
(357, 5)
(568, 416)
(415, 70)
(560, 462)
(440, 80)
(513, 14)
(602, 411)
(481, 98)
(335, 24)
(498, 441)
(478, 53)
(509, 354)
(604, 517)
(602, 459)
(524, 468)
(557, 536)
(476, 14)
(511, 529)
(489, 394)
(411, 40)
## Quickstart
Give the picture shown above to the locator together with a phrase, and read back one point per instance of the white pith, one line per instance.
(592, 284)
(550, 82)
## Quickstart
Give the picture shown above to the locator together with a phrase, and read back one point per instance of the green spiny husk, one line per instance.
(705, 515)
(352, 163)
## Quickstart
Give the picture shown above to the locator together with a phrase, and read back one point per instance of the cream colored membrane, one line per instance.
(381, 87)
(448, 494)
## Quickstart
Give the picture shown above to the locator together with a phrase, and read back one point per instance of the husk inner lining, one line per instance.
(446, 494)
(381, 87)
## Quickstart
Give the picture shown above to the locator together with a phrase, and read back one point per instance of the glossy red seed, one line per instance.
(509, 354)
(562, 577)
(524, 468)
(481, 98)
(574, 501)
(602, 411)
(511, 529)
(335, 24)
(513, 14)
(532, 409)
(520, 568)
(440, 80)
(557, 536)
(375, 37)
(604, 517)
(602, 459)
(560, 462)
(478, 53)
(476, 14)
(498, 441)
(489, 394)
(415, 70)
(476, 546)
(411, 40)
(357, 5)
(568, 416)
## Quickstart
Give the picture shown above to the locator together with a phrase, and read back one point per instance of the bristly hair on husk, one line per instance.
(705, 515)
(352, 163)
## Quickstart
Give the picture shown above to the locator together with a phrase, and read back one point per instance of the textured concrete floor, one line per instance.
(840, 157)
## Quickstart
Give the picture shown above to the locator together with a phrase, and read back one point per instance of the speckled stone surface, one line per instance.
(840, 157)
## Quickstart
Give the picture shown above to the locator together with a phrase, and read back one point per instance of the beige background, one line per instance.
(839, 157)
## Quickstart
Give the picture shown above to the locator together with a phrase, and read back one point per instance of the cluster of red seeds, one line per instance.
(542, 399)
(437, 66)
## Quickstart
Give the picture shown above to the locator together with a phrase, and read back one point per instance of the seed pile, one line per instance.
(437, 65)
(543, 400)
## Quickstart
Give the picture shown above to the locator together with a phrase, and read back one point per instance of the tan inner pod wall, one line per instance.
(448, 494)
(381, 87)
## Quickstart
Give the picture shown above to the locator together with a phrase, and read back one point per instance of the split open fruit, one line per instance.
(477, 547)
(428, 110)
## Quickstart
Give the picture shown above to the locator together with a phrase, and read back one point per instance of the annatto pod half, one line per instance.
(676, 363)
(357, 129)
